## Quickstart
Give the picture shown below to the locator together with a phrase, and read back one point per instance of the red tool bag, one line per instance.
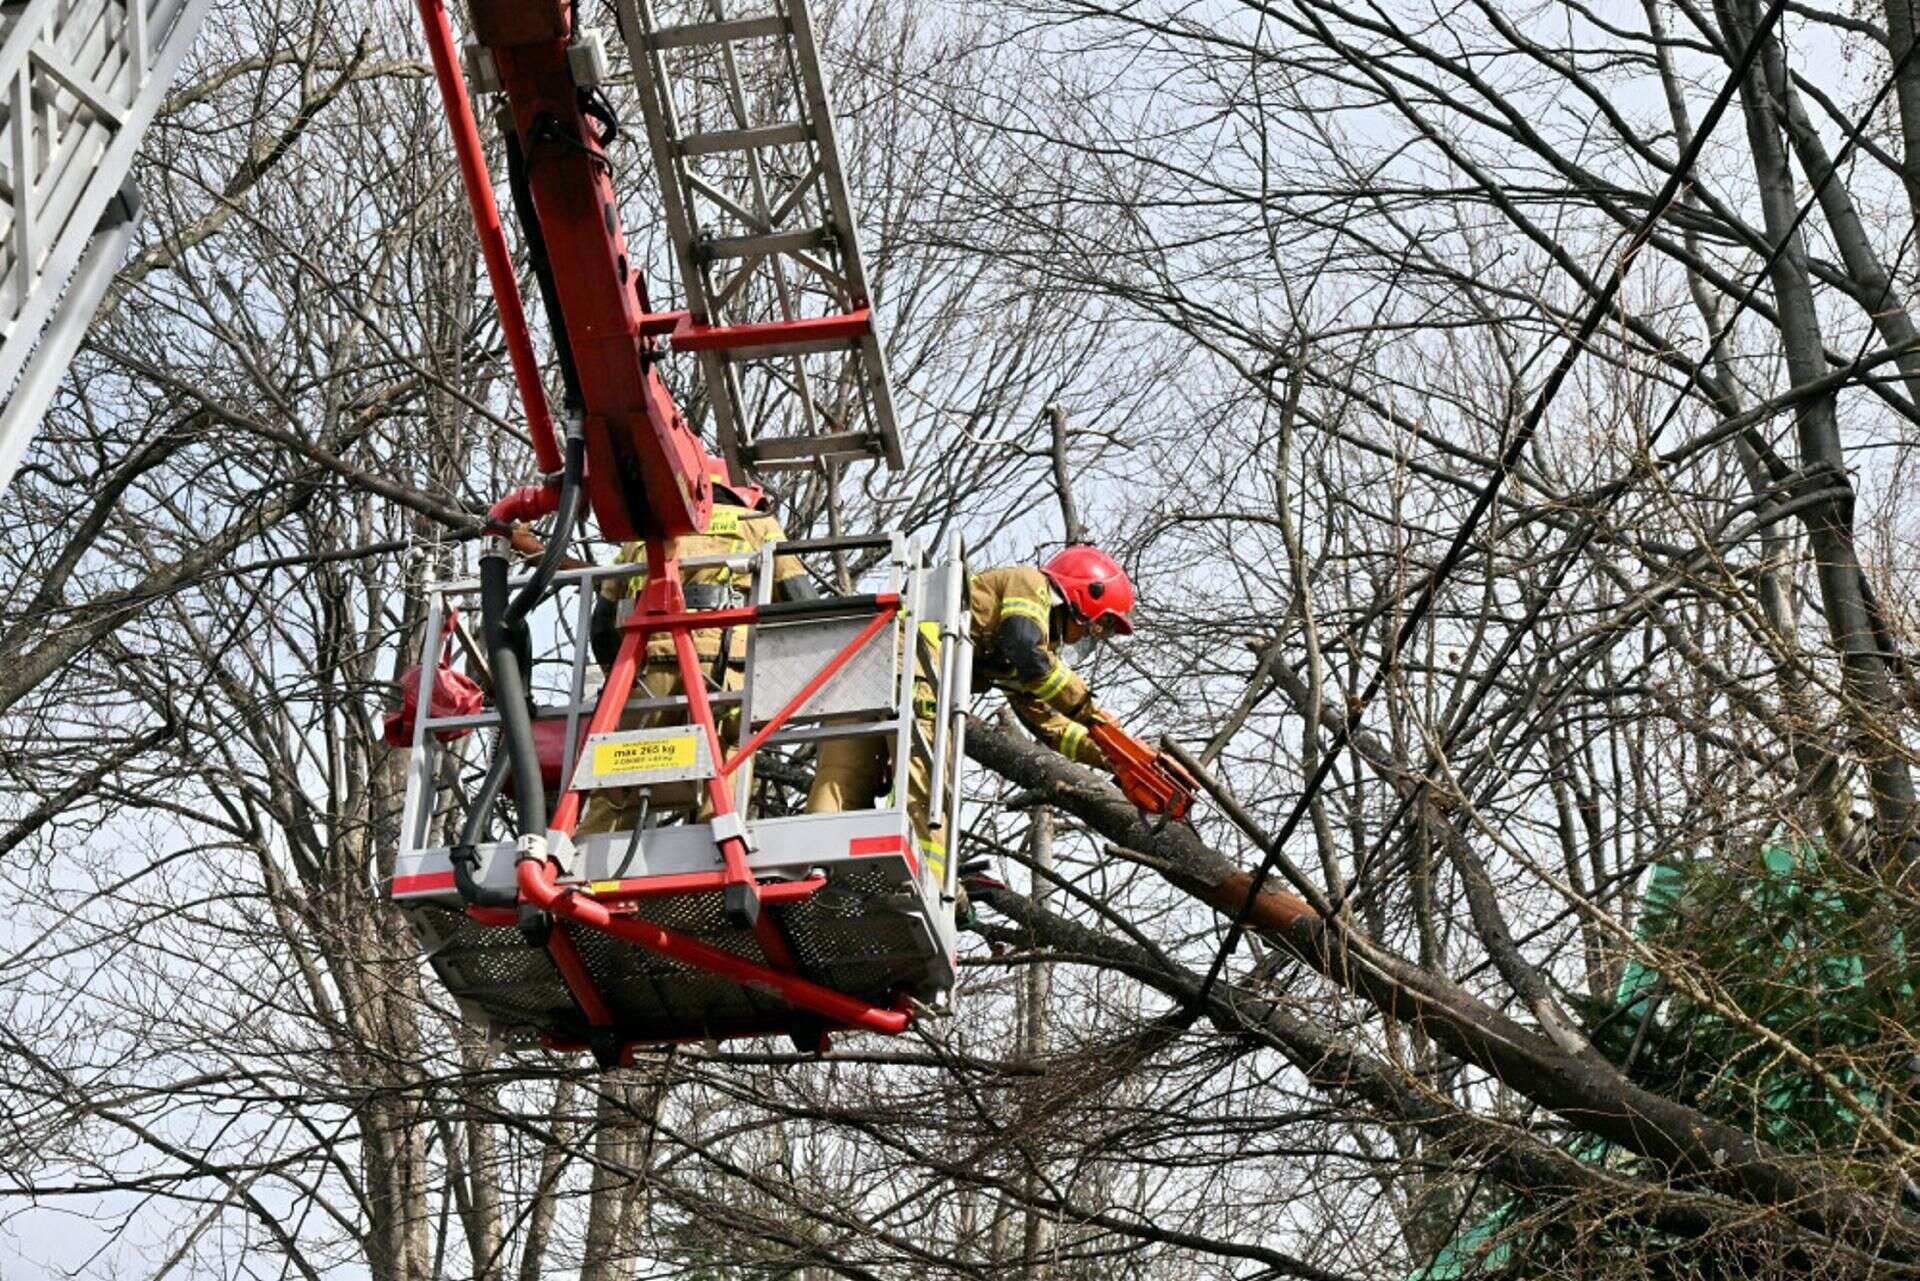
(550, 746)
(453, 694)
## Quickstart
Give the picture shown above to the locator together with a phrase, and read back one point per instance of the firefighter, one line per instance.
(743, 521)
(1021, 618)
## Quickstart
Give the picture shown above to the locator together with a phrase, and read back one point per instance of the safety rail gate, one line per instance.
(80, 80)
(854, 926)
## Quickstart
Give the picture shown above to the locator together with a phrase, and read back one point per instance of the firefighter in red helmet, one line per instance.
(1021, 620)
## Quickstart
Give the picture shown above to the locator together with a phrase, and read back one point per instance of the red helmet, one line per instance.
(1095, 586)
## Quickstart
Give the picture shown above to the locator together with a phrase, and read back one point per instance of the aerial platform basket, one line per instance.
(644, 941)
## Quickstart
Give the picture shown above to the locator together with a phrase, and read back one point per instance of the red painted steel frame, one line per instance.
(493, 241)
(693, 685)
(573, 968)
(647, 470)
(688, 336)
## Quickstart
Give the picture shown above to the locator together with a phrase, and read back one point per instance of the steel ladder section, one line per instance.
(779, 312)
(80, 81)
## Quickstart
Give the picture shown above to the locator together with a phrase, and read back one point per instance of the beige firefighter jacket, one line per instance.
(1056, 706)
(732, 531)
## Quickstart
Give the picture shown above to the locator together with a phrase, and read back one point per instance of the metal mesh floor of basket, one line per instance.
(859, 935)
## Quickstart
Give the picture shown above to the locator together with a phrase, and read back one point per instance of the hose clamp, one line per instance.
(530, 848)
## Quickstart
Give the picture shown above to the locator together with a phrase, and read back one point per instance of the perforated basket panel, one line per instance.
(863, 935)
(703, 916)
(654, 997)
(866, 957)
(494, 969)
(788, 655)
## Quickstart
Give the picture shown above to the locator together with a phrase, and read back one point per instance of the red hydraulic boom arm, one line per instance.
(647, 472)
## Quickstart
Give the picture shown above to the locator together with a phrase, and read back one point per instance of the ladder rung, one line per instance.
(776, 338)
(704, 33)
(779, 242)
(772, 351)
(791, 451)
(707, 144)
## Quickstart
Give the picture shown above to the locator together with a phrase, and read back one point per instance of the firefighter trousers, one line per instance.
(853, 773)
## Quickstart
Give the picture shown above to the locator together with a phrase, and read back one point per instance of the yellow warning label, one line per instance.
(604, 887)
(646, 755)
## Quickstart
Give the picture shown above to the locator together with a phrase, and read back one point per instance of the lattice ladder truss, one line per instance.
(779, 312)
(80, 81)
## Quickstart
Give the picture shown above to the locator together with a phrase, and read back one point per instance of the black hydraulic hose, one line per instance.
(522, 193)
(503, 630)
(466, 854)
(508, 663)
(564, 519)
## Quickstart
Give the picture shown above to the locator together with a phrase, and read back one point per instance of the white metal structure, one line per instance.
(755, 198)
(80, 81)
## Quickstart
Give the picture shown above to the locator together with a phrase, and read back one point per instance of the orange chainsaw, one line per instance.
(1152, 780)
